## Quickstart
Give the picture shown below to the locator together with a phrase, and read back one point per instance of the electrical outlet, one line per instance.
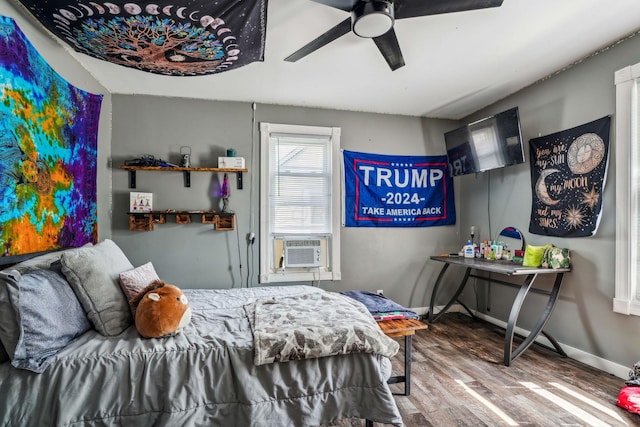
(380, 292)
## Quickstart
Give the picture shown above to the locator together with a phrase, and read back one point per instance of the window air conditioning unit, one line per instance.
(302, 253)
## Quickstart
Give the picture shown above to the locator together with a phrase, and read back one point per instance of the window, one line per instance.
(299, 203)
(627, 296)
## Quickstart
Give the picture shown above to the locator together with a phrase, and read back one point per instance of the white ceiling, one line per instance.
(456, 63)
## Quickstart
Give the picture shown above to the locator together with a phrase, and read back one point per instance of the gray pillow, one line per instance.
(9, 331)
(49, 317)
(3, 354)
(93, 274)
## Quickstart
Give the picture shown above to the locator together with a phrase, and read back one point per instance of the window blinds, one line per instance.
(300, 190)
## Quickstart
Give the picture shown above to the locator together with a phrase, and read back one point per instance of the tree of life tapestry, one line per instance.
(177, 38)
(48, 152)
(568, 172)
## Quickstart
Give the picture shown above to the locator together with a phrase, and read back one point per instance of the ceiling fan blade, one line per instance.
(346, 5)
(390, 49)
(413, 8)
(338, 31)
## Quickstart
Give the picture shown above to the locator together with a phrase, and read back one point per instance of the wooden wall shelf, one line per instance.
(144, 221)
(186, 172)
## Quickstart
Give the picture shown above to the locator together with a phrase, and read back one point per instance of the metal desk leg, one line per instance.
(434, 292)
(555, 343)
(542, 320)
(432, 317)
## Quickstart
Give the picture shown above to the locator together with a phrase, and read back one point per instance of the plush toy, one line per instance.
(161, 310)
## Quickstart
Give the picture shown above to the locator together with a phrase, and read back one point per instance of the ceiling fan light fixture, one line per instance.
(372, 18)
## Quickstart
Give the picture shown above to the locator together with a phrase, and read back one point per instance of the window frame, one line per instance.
(627, 257)
(331, 268)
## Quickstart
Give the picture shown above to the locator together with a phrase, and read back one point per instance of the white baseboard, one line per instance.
(422, 311)
(589, 359)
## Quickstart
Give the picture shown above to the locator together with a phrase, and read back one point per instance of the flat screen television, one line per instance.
(490, 143)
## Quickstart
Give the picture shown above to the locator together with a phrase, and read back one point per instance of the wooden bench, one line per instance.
(402, 328)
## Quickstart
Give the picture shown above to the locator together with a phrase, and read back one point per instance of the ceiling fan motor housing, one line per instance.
(372, 18)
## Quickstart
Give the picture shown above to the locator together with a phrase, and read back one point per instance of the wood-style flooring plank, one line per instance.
(459, 379)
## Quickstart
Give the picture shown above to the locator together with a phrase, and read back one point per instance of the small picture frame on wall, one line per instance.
(140, 202)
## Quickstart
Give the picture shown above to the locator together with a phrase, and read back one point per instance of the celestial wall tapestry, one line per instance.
(178, 38)
(397, 191)
(568, 173)
(48, 149)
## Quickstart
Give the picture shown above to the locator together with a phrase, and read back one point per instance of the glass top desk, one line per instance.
(506, 268)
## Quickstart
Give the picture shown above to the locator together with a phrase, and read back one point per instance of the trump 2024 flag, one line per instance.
(397, 191)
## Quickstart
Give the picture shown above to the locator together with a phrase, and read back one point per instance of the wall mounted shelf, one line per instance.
(186, 172)
(145, 221)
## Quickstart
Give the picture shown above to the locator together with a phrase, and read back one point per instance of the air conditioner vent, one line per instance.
(302, 253)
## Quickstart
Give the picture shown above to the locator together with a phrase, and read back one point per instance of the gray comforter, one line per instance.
(203, 377)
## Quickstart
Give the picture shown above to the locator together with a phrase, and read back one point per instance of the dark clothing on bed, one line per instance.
(379, 304)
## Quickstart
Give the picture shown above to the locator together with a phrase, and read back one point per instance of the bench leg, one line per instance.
(407, 365)
(406, 378)
(368, 423)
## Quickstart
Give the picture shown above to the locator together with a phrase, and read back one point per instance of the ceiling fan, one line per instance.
(374, 19)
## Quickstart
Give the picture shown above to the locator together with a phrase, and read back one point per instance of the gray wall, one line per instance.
(60, 60)
(197, 256)
(583, 318)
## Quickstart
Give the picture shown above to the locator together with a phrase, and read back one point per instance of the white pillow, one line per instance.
(135, 280)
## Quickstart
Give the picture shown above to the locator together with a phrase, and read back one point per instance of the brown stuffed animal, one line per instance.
(162, 310)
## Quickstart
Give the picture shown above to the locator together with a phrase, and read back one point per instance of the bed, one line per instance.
(207, 375)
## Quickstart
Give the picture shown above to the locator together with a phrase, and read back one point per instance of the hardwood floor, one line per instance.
(459, 379)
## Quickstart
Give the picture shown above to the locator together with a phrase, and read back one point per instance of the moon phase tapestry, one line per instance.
(48, 152)
(176, 38)
(568, 173)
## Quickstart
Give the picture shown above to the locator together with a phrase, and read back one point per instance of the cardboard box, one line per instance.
(231, 162)
(140, 202)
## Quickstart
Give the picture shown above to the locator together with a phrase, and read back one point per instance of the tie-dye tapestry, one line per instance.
(48, 152)
(178, 38)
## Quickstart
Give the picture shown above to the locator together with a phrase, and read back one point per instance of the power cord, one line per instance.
(251, 239)
(249, 262)
(239, 256)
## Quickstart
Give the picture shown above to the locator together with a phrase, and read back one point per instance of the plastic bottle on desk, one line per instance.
(468, 250)
(499, 250)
